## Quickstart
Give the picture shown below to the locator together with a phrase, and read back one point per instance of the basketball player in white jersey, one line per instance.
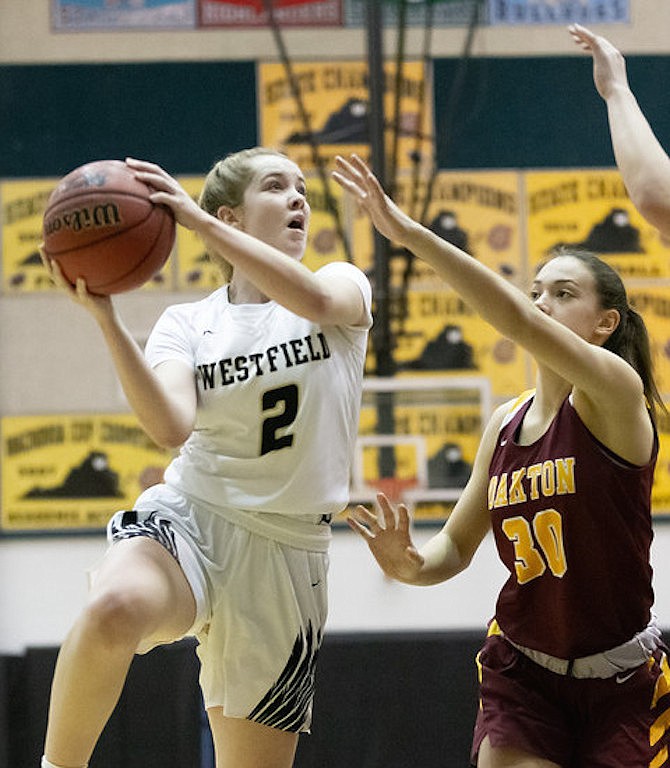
(259, 386)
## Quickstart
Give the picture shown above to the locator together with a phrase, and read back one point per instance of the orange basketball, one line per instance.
(100, 224)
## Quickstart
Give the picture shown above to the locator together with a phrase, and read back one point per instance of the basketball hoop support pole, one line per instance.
(381, 330)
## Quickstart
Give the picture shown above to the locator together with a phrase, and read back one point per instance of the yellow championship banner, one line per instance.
(194, 268)
(652, 301)
(660, 492)
(476, 211)
(591, 209)
(73, 472)
(23, 204)
(442, 334)
(333, 107)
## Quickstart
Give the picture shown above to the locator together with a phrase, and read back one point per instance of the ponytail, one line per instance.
(630, 341)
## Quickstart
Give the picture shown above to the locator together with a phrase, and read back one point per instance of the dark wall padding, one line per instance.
(383, 701)
(393, 701)
(536, 112)
(184, 116)
(515, 112)
(155, 725)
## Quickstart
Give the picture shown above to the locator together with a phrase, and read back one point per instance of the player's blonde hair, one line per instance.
(225, 184)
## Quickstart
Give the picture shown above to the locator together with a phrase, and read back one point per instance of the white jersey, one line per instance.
(278, 403)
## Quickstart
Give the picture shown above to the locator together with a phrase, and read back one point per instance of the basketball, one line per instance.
(100, 224)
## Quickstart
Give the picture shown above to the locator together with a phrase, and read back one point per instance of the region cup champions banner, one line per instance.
(66, 473)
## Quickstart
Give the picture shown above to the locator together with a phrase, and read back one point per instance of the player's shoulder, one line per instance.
(343, 269)
(504, 413)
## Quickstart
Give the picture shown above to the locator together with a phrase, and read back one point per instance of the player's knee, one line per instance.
(116, 617)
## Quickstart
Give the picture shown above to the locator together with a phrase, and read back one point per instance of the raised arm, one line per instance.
(610, 381)
(277, 275)
(642, 161)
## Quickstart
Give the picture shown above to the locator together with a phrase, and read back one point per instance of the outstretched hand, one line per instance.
(387, 536)
(609, 66)
(168, 192)
(355, 177)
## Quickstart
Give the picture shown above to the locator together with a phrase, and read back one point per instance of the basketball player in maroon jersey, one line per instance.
(574, 672)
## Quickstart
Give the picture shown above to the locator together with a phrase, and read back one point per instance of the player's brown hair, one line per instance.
(225, 184)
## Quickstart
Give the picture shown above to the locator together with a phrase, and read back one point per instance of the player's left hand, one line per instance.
(609, 66)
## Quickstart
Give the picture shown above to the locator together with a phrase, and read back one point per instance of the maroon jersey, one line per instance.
(572, 523)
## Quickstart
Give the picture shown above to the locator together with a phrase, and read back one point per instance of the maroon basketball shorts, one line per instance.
(623, 720)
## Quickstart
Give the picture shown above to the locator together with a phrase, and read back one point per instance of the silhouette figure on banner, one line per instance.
(447, 351)
(614, 234)
(445, 225)
(447, 468)
(349, 125)
(93, 478)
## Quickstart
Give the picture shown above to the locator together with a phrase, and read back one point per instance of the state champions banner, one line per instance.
(23, 203)
(591, 209)
(73, 472)
(432, 327)
(336, 98)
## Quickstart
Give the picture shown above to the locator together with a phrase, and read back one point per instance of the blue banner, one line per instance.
(517, 12)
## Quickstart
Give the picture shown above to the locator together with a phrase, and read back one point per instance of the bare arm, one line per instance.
(644, 165)
(277, 275)
(600, 374)
(164, 399)
(450, 551)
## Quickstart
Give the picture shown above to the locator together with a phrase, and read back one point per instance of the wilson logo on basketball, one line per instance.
(96, 216)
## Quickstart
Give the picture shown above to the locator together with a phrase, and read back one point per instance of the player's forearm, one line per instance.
(442, 560)
(642, 161)
(278, 276)
(483, 290)
(166, 423)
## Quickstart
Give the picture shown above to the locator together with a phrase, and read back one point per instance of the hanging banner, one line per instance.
(517, 12)
(439, 13)
(23, 203)
(591, 209)
(195, 270)
(335, 98)
(660, 492)
(432, 328)
(131, 14)
(253, 13)
(442, 334)
(652, 301)
(65, 473)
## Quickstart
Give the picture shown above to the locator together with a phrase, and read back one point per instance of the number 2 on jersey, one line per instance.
(287, 398)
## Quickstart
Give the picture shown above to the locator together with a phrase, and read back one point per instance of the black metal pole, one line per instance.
(381, 330)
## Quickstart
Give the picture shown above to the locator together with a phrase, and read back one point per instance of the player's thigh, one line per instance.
(143, 575)
(240, 743)
(506, 757)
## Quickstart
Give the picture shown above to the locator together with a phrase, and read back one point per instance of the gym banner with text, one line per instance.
(68, 15)
(73, 472)
(328, 104)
